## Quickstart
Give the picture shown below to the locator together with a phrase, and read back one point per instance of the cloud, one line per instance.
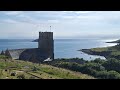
(9, 21)
(84, 12)
(64, 23)
(13, 12)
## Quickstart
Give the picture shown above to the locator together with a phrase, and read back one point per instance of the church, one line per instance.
(44, 52)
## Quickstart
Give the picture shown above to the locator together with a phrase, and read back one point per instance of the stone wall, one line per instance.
(34, 55)
(46, 43)
(45, 50)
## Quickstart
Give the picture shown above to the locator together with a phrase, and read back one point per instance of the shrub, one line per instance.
(98, 60)
(114, 75)
(35, 68)
(105, 69)
(95, 66)
(112, 64)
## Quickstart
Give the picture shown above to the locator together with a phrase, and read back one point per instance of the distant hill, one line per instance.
(36, 40)
(117, 41)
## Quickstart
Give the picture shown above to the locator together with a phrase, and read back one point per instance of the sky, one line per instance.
(64, 24)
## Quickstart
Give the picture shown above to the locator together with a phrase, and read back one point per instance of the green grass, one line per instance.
(63, 73)
(100, 49)
(115, 53)
(36, 71)
(111, 48)
(3, 57)
(114, 50)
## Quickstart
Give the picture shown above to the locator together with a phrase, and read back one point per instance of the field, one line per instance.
(113, 51)
(17, 69)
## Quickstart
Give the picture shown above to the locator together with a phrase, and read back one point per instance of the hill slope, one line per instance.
(107, 52)
(16, 69)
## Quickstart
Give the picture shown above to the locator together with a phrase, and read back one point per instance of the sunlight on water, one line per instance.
(104, 44)
(63, 48)
(108, 40)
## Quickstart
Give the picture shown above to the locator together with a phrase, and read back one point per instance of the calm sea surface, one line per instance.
(63, 48)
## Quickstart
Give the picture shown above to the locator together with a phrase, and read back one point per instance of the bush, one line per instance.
(102, 74)
(98, 60)
(114, 75)
(112, 64)
(95, 66)
(109, 75)
(35, 68)
(103, 69)
(4, 57)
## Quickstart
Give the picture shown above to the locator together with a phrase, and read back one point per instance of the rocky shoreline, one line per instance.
(117, 41)
(90, 52)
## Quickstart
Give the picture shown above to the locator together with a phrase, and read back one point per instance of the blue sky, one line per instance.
(65, 24)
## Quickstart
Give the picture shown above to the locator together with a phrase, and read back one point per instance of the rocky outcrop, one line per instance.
(36, 40)
(103, 53)
(117, 41)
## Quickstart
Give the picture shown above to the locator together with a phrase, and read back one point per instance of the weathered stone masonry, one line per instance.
(44, 51)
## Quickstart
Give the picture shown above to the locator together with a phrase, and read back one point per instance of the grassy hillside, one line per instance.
(98, 68)
(17, 69)
(107, 52)
(113, 51)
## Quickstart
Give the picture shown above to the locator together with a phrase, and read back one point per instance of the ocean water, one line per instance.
(63, 48)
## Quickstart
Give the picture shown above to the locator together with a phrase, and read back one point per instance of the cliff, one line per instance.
(90, 52)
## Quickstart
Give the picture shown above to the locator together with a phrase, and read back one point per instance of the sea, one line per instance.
(63, 48)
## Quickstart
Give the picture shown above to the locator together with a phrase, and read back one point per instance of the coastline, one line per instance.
(116, 41)
(107, 52)
(90, 52)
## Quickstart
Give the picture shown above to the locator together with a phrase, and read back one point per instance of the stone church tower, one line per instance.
(44, 52)
(46, 43)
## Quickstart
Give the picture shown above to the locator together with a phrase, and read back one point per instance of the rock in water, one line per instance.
(36, 40)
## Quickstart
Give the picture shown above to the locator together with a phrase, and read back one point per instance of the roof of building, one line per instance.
(28, 54)
(34, 54)
(15, 53)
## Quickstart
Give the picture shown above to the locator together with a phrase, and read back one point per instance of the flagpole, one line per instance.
(50, 28)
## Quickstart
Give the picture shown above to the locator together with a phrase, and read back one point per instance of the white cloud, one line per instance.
(64, 23)
(13, 12)
(53, 21)
(9, 21)
(84, 12)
